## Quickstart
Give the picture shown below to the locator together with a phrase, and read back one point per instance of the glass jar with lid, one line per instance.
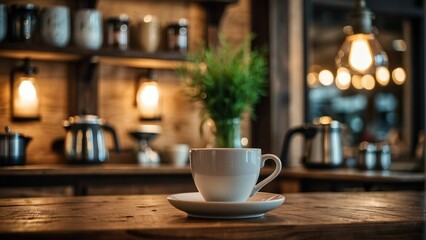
(177, 36)
(22, 24)
(118, 32)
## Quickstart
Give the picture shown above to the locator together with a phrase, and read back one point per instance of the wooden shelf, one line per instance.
(130, 58)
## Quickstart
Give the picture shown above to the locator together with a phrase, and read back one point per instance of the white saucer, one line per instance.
(195, 205)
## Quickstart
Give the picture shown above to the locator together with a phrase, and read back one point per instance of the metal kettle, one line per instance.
(85, 141)
(323, 146)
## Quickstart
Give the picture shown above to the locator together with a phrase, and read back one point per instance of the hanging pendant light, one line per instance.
(361, 52)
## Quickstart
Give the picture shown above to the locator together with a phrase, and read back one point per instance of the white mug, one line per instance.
(3, 21)
(88, 29)
(55, 26)
(149, 33)
(230, 174)
(177, 154)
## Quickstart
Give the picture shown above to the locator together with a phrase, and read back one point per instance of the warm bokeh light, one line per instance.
(382, 75)
(27, 91)
(399, 76)
(244, 142)
(312, 79)
(325, 77)
(368, 82)
(147, 18)
(26, 102)
(325, 120)
(343, 78)
(356, 82)
(360, 55)
(148, 100)
(399, 45)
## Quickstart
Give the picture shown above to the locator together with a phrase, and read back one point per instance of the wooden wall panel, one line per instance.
(53, 95)
(117, 88)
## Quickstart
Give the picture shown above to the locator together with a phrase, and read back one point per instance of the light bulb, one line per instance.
(27, 91)
(148, 100)
(360, 55)
(149, 96)
(26, 101)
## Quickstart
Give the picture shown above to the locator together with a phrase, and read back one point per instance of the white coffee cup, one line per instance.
(177, 154)
(230, 174)
(55, 26)
(88, 29)
(149, 33)
(3, 21)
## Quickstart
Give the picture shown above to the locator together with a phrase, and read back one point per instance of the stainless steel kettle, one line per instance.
(322, 148)
(13, 148)
(85, 141)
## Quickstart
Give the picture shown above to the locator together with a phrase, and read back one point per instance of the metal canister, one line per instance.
(383, 156)
(367, 158)
(13, 148)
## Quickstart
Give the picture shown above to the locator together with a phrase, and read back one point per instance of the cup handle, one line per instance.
(273, 175)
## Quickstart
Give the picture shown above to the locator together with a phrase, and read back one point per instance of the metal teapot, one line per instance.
(323, 146)
(85, 141)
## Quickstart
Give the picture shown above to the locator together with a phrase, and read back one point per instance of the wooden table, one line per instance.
(377, 215)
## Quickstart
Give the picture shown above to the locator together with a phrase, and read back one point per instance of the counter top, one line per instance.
(135, 169)
(374, 215)
(111, 178)
(96, 169)
(352, 174)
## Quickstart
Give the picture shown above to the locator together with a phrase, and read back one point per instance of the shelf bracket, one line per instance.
(83, 87)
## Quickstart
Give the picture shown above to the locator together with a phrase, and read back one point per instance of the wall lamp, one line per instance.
(361, 53)
(25, 93)
(148, 98)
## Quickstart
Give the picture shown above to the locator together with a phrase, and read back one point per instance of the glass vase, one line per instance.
(228, 133)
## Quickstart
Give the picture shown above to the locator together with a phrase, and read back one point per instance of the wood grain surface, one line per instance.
(384, 215)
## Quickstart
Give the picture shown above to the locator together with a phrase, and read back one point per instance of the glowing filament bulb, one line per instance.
(149, 96)
(27, 91)
(148, 100)
(360, 55)
(25, 100)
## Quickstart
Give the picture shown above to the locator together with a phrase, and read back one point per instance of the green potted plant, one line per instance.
(227, 80)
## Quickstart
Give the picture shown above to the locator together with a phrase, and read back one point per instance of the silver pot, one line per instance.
(322, 148)
(85, 141)
(13, 148)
